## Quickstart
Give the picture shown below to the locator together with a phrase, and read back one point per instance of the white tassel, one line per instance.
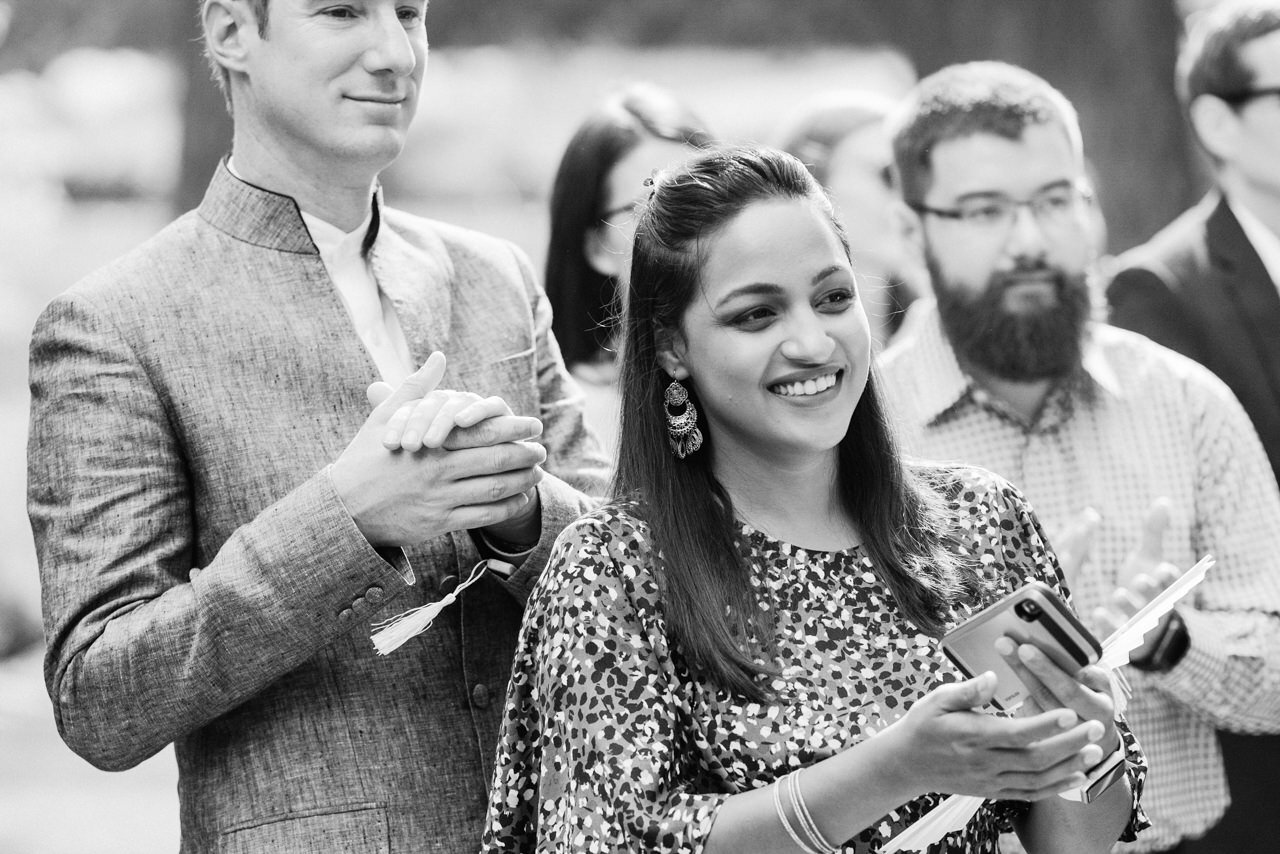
(391, 634)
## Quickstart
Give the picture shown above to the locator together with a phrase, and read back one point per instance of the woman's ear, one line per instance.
(671, 352)
(603, 250)
(227, 25)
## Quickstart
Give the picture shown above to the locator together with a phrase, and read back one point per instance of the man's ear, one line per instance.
(228, 24)
(671, 350)
(602, 252)
(1216, 125)
(909, 226)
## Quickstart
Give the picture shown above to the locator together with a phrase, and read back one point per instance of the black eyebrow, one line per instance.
(770, 289)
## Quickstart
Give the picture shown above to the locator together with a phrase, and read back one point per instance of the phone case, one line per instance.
(1031, 614)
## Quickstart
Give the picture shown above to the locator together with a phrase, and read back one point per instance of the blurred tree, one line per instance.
(1114, 60)
(206, 125)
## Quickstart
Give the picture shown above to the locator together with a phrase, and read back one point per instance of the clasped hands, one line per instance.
(428, 461)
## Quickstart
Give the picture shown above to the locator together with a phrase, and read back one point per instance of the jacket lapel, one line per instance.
(418, 281)
(1245, 283)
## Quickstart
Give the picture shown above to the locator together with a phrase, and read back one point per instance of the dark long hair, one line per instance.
(582, 300)
(708, 601)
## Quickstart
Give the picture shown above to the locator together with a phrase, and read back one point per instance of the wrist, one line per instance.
(1168, 649)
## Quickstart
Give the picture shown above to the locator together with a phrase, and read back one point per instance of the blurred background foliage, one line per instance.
(1114, 59)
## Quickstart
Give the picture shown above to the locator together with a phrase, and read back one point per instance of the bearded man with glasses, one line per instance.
(1208, 286)
(1137, 460)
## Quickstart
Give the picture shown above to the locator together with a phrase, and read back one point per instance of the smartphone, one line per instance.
(1032, 614)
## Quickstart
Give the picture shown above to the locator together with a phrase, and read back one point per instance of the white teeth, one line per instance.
(808, 387)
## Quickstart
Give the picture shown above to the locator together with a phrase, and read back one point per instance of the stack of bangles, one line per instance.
(804, 832)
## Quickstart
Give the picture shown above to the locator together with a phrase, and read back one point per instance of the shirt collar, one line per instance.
(337, 246)
(950, 386)
(1264, 241)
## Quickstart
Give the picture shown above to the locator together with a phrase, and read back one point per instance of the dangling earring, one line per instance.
(682, 427)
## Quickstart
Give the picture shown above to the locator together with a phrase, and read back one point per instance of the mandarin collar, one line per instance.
(264, 218)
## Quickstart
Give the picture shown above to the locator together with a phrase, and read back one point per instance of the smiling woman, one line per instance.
(704, 661)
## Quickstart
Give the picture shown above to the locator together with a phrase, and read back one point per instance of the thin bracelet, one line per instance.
(807, 824)
(786, 823)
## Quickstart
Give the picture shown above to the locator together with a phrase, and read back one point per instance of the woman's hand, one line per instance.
(1087, 692)
(946, 745)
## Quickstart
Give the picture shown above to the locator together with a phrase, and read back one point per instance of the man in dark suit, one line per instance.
(1208, 285)
(217, 519)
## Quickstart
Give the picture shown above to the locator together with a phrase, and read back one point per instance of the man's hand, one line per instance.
(1144, 576)
(1073, 545)
(399, 498)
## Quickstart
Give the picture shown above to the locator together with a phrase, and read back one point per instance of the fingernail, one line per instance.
(1091, 755)
(1095, 731)
(1003, 645)
(1028, 653)
(1067, 719)
(409, 438)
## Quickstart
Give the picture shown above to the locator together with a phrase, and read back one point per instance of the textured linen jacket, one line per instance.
(186, 401)
(1200, 288)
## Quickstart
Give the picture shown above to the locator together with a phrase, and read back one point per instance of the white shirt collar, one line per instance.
(1264, 241)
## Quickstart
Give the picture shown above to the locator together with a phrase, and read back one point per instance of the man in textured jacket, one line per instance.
(217, 520)
(1208, 286)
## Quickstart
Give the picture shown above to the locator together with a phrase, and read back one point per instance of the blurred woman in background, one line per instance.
(634, 132)
(841, 137)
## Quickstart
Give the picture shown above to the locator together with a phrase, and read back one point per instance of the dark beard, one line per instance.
(1018, 347)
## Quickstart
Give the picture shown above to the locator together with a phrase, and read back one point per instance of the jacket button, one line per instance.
(480, 696)
(374, 595)
(346, 615)
(448, 584)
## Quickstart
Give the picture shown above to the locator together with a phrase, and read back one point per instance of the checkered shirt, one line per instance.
(1138, 422)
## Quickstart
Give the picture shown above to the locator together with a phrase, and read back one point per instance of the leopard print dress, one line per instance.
(609, 743)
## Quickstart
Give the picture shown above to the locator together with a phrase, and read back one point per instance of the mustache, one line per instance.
(998, 283)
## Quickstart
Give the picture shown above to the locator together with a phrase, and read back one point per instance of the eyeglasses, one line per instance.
(615, 213)
(1052, 207)
(1237, 99)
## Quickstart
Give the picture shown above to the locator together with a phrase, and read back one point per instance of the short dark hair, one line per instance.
(709, 604)
(1209, 61)
(220, 75)
(972, 98)
(582, 299)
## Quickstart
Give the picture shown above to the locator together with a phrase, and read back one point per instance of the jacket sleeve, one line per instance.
(141, 650)
(1147, 301)
(577, 468)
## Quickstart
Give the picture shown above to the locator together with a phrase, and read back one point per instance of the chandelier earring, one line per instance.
(682, 423)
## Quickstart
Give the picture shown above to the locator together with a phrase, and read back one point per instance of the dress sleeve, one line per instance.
(1025, 552)
(593, 754)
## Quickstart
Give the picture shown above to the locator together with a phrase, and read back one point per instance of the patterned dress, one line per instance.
(610, 743)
